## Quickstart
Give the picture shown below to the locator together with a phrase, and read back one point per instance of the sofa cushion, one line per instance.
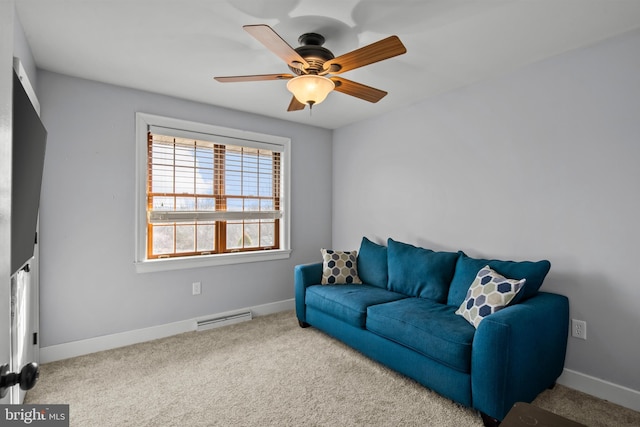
(467, 268)
(427, 327)
(339, 267)
(419, 272)
(372, 264)
(348, 302)
(489, 292)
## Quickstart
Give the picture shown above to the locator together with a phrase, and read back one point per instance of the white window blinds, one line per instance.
(211, 194)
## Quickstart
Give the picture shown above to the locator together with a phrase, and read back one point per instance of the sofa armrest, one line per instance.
(518, 352)
(305, 275)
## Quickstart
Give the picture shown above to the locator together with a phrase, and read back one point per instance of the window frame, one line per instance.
(143, 264)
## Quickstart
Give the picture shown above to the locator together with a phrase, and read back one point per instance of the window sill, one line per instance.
(151, 266)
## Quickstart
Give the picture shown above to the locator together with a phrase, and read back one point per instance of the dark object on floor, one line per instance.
(524, 414)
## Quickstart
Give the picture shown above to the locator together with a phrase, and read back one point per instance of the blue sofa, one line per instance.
(403, 309)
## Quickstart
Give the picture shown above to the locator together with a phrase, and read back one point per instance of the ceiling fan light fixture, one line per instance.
(310, 88)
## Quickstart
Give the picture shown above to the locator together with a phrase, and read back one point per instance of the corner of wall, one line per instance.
(22, 51)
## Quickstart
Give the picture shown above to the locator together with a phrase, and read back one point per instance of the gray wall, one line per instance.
(540, 163)
(89, 286)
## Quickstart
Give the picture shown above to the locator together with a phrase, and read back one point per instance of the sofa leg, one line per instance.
(303, 324)
(489, 421)
(552, 386)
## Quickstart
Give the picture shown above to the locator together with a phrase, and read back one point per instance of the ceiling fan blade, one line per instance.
(295, 105)
(378, 51)
(276, 44)
(254, 78)
(358, 90)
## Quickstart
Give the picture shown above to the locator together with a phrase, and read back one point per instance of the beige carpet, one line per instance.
(266, 372)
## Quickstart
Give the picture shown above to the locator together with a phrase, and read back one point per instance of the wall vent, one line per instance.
(229, 319)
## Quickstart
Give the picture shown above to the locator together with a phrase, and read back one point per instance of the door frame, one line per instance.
(7, 17)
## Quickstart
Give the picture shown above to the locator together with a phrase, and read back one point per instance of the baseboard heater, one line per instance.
(229, 319)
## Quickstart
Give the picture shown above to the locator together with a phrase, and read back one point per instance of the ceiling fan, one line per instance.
(314, 67)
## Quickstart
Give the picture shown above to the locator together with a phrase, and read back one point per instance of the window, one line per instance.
(209, 195)
(205, 198)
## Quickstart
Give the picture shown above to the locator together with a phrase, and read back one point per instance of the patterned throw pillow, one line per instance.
(489, 292)
(339, 267)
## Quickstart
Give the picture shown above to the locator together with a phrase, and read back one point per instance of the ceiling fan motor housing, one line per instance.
(312, 51)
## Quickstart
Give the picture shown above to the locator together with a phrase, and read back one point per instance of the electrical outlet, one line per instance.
(579, 329)
(196, 288)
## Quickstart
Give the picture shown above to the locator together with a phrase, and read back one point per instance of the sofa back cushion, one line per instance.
(372, 264)
(467, 268)
(420, 272)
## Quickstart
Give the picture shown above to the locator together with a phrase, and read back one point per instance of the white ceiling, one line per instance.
(175, 47)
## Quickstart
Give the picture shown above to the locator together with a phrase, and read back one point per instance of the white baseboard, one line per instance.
(92, 345)
(601, 389)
